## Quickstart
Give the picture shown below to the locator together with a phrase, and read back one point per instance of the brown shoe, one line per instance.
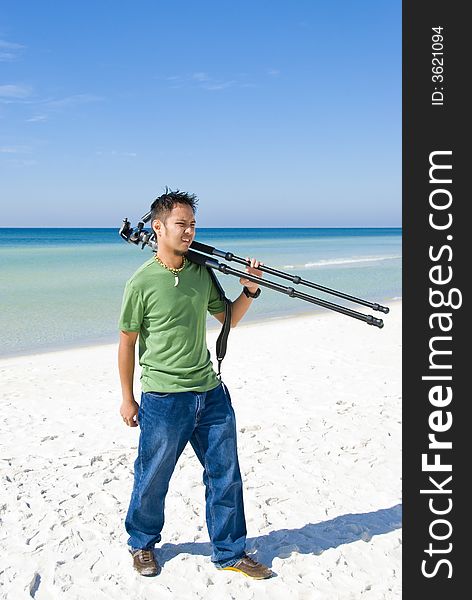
(144, 562)
(250, 568)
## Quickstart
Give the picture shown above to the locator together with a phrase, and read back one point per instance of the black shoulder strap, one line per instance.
(222, 341)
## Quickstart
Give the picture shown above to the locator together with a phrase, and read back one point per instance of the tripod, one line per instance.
(201, 253)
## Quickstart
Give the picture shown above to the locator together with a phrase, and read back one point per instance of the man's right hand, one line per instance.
(129, 407)
(128, 411)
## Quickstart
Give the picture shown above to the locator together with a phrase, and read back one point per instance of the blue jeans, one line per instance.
(167, 423)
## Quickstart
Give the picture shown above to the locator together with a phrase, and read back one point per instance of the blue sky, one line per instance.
(275, 113)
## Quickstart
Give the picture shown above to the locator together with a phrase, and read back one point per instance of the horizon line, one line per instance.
(214, 227)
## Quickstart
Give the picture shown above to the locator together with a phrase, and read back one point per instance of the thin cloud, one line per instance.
(42, 109)
(22, 162)
(211, 84)
(73, 100)
(200, 76)
(37, 119)
(115, 153)
(10, 51)
(222, 85)
(273, 72)
(14, 149)
(204, 81)
(14, 91)
(8, 150)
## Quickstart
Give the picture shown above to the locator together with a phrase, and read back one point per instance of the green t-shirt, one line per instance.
(171, 321)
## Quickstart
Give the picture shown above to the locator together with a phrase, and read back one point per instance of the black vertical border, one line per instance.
(428, 128)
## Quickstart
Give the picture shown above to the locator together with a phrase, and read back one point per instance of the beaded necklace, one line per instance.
(174, 271)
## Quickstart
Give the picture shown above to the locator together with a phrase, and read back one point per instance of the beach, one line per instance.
(318, 408)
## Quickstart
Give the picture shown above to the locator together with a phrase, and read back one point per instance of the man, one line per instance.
(165, 305)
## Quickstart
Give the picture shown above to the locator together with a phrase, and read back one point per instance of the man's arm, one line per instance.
(242, 303)
(129, 407)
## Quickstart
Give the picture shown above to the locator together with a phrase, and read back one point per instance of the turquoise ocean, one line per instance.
(63, 287)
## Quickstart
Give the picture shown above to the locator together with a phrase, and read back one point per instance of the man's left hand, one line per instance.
(253, 269)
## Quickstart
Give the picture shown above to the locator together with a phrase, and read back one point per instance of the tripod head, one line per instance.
(139, 235)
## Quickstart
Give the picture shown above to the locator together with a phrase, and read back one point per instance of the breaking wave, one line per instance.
(340, 261)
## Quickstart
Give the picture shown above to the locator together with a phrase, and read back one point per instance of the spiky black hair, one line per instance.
(162, 205)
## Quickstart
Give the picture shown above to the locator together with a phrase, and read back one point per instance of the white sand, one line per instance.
(318, 406)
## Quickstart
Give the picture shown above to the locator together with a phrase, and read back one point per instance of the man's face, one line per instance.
(178, 231)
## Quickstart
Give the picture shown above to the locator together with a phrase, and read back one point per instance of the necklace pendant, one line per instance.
(176, 281)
